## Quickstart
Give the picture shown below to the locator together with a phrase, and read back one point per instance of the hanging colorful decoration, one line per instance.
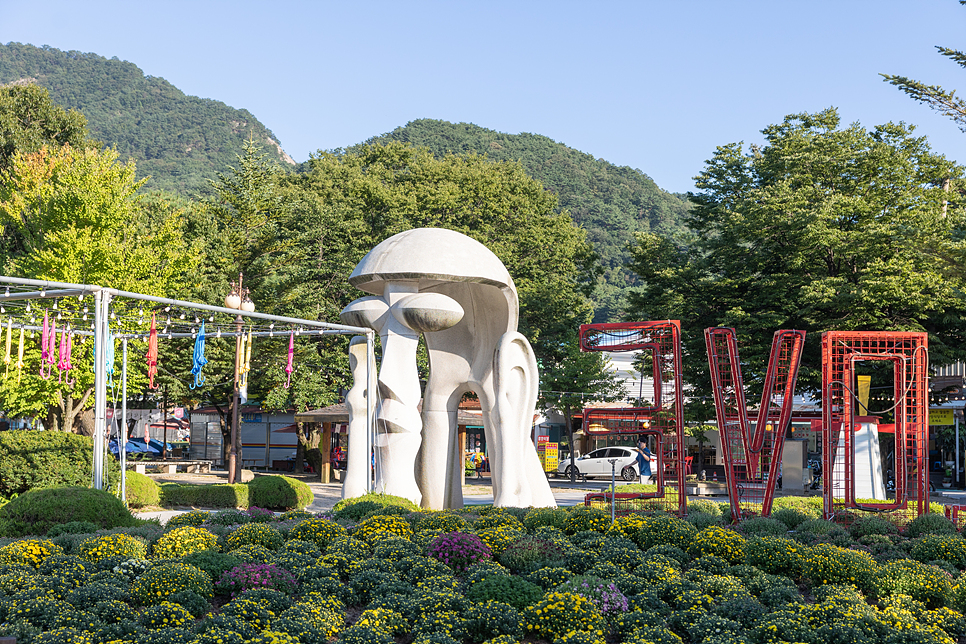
(246, 363)
(198, 359)
(289, 368)
(152, 354)
(63, 364)
(48, 347)
(6, 357)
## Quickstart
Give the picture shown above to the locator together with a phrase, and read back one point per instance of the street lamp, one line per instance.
(237, 299)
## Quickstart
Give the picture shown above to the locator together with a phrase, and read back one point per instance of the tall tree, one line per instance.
(822, 228)
(74, 215)
(29, 120)
(944, 102)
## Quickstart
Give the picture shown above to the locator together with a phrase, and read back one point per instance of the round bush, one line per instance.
(559, 614)
(540, 517)
(828, 564)
(279, 493)
(155, 585)
(36, 511)
(251, 576)
(927, 584)
(930, 524)
(531, 553)
(791, 517)
(666, 530)
(443, 521)
(97, 549)
(141, 490)
(164, 615)
(30, 552)
(183, 541)
(945, 547)
(356, 508)
(775, 555)
(33, 460)
(256, 534)
(762, 527)
(581, 518)
(864, 526)
(381, 527)
(458, 550)
(515, 591)
(720, 542)
(321, 532)
(212, 562)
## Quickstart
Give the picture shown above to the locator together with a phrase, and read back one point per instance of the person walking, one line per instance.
(644, 458)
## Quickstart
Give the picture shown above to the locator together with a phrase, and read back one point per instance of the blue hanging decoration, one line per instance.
(199, 358)
(108, 359)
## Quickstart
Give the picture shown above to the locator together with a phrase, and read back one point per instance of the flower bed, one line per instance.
(393, 574)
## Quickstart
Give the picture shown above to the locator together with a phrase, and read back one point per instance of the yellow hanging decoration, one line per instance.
(20, 356)
(246, 364)
(6, 358)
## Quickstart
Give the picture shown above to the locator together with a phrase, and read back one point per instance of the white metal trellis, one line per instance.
(101, 333)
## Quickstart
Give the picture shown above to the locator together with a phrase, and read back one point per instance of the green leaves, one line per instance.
(822, 228)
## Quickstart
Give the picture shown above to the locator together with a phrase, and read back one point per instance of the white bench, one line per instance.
(170, 467)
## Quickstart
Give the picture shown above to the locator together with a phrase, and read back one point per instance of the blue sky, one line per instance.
(651, 85)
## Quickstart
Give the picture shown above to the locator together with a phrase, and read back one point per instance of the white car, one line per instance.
(596, 463)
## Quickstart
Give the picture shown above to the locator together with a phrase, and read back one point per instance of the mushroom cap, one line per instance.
(431, 256)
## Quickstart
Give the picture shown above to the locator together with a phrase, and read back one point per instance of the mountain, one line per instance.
(610, 202)
(179, 141)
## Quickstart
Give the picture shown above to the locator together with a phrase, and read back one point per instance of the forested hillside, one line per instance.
(179, 141)
(610, 202)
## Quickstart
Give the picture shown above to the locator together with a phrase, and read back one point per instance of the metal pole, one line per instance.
(101, 305)
(122, 435)
(613, 486)
(956, 414)
(233, 455)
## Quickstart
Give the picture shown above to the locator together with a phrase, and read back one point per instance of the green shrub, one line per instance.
(539, 517)
(515, 591)
(559, 614)
(582, 518)
(221, 495)
(924, 583)
(321, 532)
(930, 524)
(791, 517)
(195, 518)
(31, 460)
(140, 490)
(762, 527)
(97, 549)
(492, 619)
(183, 541)
(36, 511)
(258, 534)
(720, 542)
(356, 508)
(822, 527)
(712, 508)
(159, 582)
(775, 555)
(666, 530)
(212, 562)
(442, 521)
(947, 547)
(74, 527)
(865, 526)
(828, 564)
(279, 493)
(531, 553)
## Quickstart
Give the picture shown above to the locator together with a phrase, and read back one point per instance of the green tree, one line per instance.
(572, 378)
(29, 120)
(74, 215)
(822, 228)
(946, 103)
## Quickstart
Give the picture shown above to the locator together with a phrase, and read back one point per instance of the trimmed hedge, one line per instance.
(36, 511)
(34, 459)
(222, 495)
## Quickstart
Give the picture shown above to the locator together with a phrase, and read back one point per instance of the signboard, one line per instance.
(549, 455)
(941, 417)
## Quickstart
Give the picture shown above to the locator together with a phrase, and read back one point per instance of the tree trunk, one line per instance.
(313, 451)
(299, 466)
(66, 414)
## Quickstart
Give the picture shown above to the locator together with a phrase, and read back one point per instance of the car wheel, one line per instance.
(571, 472)
(628, 473)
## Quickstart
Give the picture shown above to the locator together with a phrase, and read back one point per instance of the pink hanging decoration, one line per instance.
(48, 347)
(63, 364)
(152, 355)
(289, 368)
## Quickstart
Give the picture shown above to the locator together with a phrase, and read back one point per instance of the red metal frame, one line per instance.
(955, 513)
(908, 353)
(666, 416)
(752, 458)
